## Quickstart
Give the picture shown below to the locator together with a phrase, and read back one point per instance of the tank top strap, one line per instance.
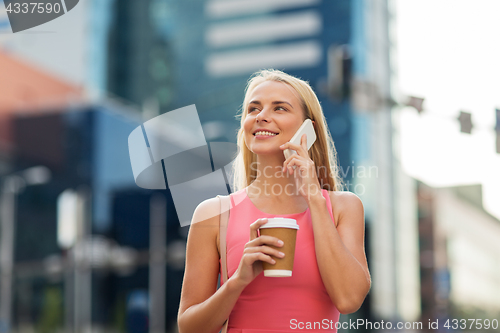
(328, 203)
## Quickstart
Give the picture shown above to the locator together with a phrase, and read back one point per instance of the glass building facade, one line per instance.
(164, 55)
(202, 52)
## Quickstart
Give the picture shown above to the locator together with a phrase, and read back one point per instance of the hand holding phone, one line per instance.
(306, 128)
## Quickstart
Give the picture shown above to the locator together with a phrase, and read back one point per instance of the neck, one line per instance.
(271, 181)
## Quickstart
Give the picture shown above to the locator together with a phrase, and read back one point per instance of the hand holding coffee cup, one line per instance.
(258, 249)
(284, 229)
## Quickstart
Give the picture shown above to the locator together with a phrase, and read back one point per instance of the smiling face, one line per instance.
(274, 114)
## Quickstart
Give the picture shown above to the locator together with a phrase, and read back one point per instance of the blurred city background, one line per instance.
(410, 90)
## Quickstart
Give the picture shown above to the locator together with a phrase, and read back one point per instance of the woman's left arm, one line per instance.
(340, 250)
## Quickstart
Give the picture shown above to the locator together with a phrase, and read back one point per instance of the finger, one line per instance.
(289, 160)
(265, 240)
(255, 226)
(250, 258)
(266, 250)
(301, 151)
(293, 163)
(303, 141)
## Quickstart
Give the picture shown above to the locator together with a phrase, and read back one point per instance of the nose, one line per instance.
(263, 115)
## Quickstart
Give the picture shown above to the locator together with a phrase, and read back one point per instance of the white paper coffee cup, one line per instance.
(284, 229)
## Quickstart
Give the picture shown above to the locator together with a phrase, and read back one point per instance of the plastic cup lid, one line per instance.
(280, 222)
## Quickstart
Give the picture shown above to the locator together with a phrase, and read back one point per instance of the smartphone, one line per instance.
(306, 128)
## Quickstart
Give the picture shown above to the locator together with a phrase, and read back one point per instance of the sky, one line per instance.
(448, 53)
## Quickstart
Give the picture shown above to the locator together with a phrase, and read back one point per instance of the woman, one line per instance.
(330, 272)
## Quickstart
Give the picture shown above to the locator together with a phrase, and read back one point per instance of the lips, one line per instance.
(264, 132)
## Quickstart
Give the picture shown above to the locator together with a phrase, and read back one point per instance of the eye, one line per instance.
(251, 109)
(280, 108)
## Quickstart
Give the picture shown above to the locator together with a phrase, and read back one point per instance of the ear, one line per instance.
(314, 124)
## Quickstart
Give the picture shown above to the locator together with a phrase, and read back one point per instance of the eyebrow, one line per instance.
(274, 103)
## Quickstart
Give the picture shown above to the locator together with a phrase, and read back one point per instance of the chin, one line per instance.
(266, 151)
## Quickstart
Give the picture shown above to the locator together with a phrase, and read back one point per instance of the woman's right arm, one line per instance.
(203, 308)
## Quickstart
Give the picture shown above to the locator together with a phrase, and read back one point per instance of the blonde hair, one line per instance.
(322, 152)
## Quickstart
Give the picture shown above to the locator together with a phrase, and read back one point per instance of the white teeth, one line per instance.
(264, 133)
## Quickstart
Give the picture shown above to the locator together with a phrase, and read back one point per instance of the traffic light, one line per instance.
(339, 71)
(416, 102)
(465, 119)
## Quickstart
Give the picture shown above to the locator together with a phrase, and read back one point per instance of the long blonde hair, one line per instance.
(322, 152)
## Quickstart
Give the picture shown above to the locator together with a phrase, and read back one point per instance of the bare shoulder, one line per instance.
(205, 221)
(345, 198)
(207, 213)
(345, 203)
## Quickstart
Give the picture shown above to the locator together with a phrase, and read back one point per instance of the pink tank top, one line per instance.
(270, 304)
